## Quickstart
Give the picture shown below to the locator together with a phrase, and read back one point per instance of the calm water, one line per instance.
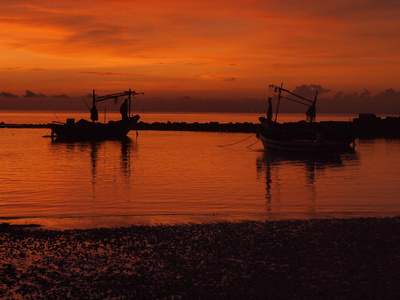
(173, 177)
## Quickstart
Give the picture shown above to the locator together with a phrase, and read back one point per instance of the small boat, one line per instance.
(304, 137)
(94, 130)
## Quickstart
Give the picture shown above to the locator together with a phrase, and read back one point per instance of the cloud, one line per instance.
(29, 94)
(25, 69)
(8, 95)
(309, 91)
(230, 79)
(282, 40)
(108, 73)
(61, 96)
(387, 95)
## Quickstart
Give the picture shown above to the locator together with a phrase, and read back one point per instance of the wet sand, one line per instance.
(314, 259)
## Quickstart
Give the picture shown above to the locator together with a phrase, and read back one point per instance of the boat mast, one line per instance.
(94, 98)
(279, 101)
(115, 96)
(311, 112)
(94, 115)
(129, 103)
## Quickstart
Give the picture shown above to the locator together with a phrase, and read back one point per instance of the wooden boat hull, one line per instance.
(86, 130)
(310, 136)
(304, 146)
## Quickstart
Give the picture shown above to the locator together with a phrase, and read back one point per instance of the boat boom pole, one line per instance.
(115, 96)
(279, 101)
(129, 103)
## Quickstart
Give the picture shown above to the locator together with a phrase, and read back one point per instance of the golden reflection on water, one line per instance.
(174, 174)
(173, 177)
(295, 177)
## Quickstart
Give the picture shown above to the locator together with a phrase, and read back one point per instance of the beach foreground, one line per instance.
(324, 259)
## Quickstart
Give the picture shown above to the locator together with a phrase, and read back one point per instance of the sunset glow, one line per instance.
(233, 48)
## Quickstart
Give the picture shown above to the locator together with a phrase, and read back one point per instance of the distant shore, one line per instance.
(309, 259)
(171, 126)
(366, 126)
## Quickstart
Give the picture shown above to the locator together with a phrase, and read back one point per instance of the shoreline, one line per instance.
(313, 259)
(365, 126)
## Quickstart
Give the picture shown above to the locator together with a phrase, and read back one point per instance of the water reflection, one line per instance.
(294, 177)
(126, 145)
(100, 156)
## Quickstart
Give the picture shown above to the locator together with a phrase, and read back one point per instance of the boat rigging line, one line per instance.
(238, 141)
(56, 116)
(253, 143)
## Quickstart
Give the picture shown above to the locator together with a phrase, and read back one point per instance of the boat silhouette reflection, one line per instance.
(123, 146)
(291, 179)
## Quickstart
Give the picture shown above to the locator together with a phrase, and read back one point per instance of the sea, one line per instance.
(171, 177)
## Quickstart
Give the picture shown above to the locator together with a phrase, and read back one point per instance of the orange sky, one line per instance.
(208, 47)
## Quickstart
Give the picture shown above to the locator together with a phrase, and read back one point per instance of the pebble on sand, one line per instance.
(313, 259)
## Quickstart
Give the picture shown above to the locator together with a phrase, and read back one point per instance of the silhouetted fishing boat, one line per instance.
(304, 136)
(94, 130)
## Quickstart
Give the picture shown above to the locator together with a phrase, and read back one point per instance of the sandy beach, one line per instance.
(308, 259)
